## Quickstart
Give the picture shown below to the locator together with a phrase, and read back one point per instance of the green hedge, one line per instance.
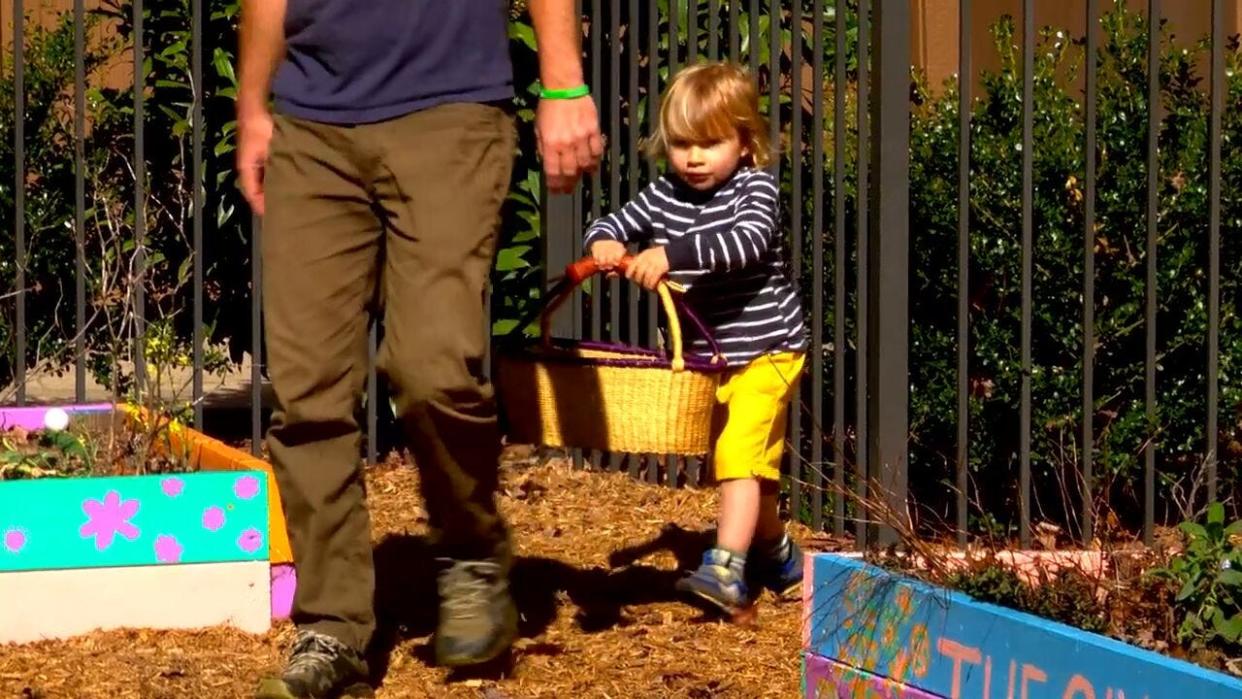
(1119, 419)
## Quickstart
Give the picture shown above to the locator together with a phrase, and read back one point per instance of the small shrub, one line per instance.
(1068, 597)
(1207, 574)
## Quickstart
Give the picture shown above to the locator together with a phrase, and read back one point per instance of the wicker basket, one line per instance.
(613, 398)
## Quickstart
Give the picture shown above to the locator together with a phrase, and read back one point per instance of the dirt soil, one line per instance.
(102, 444)
(598, 555)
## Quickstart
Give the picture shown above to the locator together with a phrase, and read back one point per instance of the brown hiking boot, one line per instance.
(478, 620)
(320, 667)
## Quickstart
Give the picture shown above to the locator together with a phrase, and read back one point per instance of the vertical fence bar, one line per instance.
(1153, 193)
(140, 209)
(652, 98)
(1088, 286)
(692, 32)
(888, 280)
(577, 457)
(672, 461)
(817, 263)
(196, 78)
(19, 189)
(562, 242)
(1213, 339)
(965, 82)
(752, 43)
(597, 194)
(79, 199)
(795, 223)
(614, 164)
(1028, 108)
(674, 54)
(633, 185)
(256, 335)
(860, 329)
(713, 29)
(735, 30)
(838, 272)
(775, 13)
(693, 469)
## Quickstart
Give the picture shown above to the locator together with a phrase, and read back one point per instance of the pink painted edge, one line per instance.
(817, 667)
(31, 417)
(284, 583)
(808, 591)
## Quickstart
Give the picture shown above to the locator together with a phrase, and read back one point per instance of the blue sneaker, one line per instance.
(717, 582)
(779, 569)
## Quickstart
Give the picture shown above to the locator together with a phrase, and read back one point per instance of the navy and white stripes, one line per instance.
(726, 248)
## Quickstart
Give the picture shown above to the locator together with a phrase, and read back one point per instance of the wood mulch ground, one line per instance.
(598, 555)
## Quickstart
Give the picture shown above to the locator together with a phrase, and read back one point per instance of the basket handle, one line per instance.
(581, 270)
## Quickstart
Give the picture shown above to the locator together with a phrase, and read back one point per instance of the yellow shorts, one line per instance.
(752, 416)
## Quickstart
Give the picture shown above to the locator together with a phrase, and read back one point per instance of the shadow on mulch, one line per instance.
(406, 597)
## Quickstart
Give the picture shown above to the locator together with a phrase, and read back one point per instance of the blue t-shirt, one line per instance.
(361, 61)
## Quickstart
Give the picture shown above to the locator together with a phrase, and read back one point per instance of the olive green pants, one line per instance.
(398, 218)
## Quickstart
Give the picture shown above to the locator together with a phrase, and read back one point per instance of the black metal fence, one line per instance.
(838, 89)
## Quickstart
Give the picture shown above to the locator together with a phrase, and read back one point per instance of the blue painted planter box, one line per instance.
(60, 524)
(946, 644)
(166, 551)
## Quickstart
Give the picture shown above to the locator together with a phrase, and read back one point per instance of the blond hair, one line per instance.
(710, 101)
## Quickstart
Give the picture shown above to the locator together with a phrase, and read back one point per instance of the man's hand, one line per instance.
(648, 267)
(569, 141)
(261, 45)
(567, 131)
(607, 254)
(254, 137)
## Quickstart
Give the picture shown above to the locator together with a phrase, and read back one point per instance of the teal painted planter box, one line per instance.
(205, 517)
(167, 551)
(947, 644)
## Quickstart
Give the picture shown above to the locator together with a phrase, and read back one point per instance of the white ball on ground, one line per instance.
(56, 419)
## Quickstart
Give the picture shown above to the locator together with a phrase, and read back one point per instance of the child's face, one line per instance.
(706, 165)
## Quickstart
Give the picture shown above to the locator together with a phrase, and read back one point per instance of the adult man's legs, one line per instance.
(444, 175)
(321, 243)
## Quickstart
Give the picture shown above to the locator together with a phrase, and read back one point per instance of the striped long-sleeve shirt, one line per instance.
(726, 248)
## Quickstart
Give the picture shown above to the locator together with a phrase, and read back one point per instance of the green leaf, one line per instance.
(1216, 513)
(1187, 590)
(504, 326)
(224, 65)
(1193, 529)
(1230, 576)
(185, 269)
(510, 258)
(524, 33)
(1229, 629)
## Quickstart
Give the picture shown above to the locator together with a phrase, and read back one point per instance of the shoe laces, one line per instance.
(311, 650)
(465, 586)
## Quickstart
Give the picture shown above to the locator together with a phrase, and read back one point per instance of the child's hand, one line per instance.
(648, 267)
(607, 254)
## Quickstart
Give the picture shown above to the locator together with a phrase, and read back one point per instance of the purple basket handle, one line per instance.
(698, 324)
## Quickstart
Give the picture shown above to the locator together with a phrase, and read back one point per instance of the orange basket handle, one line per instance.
(578, 272)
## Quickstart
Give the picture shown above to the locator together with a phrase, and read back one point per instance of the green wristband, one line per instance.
(569, 93)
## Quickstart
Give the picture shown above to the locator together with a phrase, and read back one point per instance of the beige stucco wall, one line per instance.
(119, 72)
(934, 36)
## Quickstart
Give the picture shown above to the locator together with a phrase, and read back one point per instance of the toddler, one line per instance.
(711, 223)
